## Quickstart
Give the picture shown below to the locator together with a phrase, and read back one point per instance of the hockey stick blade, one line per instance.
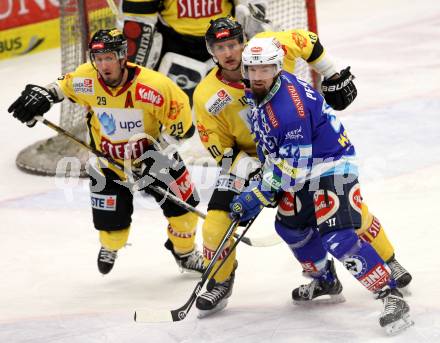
(152, 316)
(262, 242)
(158, 316)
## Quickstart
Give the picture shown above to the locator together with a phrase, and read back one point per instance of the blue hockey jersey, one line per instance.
(298, 136)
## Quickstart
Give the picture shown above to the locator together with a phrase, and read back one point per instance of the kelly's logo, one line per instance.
(149, 95)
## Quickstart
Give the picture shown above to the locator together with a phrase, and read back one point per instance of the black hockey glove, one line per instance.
(33, 101)
(340, 91)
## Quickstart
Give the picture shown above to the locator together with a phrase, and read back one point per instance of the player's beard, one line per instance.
(259, 93)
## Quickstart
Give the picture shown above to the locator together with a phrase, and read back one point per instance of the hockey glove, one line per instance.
(250, 202)
(34, 101)
(253, 18)
(339, 92)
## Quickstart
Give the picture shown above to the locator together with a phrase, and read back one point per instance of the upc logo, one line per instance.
(108, 123)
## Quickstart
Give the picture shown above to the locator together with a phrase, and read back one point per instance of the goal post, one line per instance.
(81, 18)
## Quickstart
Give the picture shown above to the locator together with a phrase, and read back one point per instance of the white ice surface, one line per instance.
(51, 291)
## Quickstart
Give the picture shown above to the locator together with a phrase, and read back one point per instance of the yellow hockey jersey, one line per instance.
(220, 107)
(123, 121)
(187, 17)
(297, 44)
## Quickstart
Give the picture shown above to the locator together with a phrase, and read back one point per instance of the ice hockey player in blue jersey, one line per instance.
(305, 152)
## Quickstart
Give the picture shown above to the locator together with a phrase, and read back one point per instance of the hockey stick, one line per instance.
(180, 313)
(255, 242)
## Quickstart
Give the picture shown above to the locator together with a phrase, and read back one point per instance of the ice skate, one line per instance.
(216, 299)
(106, 260)
(399, 274)
(190, 262)
(323, 290)
(395, 315)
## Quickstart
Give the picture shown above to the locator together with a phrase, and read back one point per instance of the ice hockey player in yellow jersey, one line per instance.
(221, 109)
(169, 35)
(131, 111)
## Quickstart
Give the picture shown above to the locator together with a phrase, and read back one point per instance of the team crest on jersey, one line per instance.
(299, 39)
(355, 198)
(108, 123)
(175, 108)
(325, 208)
(198, 8)
(203, 132)
(83, 85)
(218, 102)
(148, 95)
(286, 206)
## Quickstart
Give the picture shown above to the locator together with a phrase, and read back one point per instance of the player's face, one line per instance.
(261, 78)
(109, 67)
(228, 54)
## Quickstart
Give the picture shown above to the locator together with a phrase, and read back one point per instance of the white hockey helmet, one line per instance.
(262, 51)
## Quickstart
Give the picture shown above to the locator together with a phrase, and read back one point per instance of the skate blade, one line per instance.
(205, 313)
(399, 325)
(189, 271)
(333, 299)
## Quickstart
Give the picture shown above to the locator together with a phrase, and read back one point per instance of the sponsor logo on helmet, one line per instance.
(276, 42)
(148, 95)
(256, 49)
(218, 102)
(98, 45)
(115, 32)
(222, 34)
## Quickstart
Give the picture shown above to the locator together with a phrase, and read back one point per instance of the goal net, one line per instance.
(79, 19)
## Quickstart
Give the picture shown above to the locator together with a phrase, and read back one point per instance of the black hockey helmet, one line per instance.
(109, 40)
(223, 29)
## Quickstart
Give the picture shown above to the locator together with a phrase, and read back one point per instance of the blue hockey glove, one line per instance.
(250, 202)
